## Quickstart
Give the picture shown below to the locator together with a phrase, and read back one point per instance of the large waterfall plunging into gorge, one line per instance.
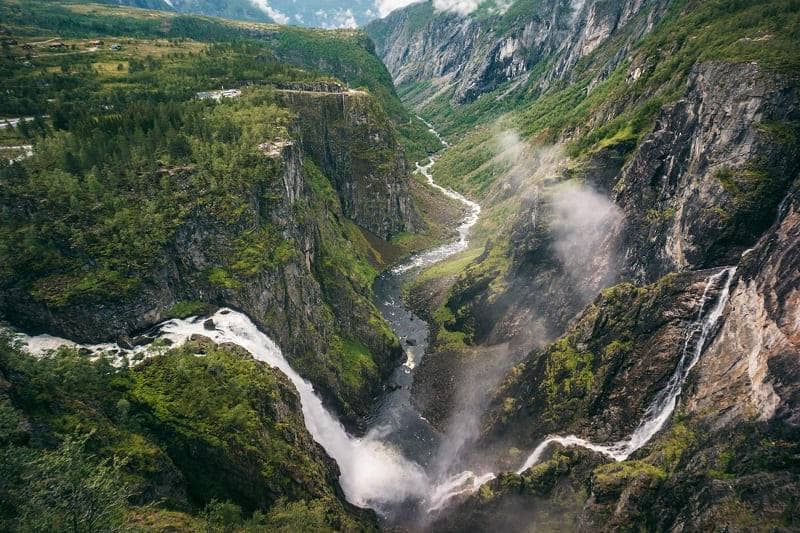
(390, 467)
(385, 468)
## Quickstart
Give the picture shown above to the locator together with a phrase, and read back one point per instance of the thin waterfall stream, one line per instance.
(709, 311)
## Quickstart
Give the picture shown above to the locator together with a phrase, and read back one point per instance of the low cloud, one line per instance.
(341, 18)
(583, 225)
(271, 12)
(461, 7)
(387, 6)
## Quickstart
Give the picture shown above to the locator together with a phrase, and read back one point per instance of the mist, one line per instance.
(578, 223)
(526, 168)
(271, 12)
(583, 224)
(461, 7)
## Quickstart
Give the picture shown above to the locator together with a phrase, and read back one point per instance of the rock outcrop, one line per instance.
(285, 294)
(706, 183)
(351, 139)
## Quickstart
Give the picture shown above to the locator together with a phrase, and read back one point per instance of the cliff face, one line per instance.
(598, 379)
(751, 369)
(351, 139)
(278, 261)
(701, 187)
(416, 43)
(729, 447)
(674, 159)
(706, 182)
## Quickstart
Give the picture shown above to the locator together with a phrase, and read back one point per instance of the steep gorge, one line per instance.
(611, 344)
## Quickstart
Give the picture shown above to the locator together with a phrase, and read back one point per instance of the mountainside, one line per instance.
(636, 150)
(532, 43)
(145, 193)
(240, 206)
(178, 450)
(233, 9)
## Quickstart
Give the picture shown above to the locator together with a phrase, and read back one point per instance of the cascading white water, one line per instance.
(446, 250)
(373, 473)
(433, 131)
(663, 405)
(656, 415)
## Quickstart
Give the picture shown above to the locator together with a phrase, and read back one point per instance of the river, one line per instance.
(386, 469)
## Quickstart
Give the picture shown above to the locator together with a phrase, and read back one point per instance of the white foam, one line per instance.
(373, 473)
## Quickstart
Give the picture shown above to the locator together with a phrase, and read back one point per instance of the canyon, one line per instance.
(519, 266)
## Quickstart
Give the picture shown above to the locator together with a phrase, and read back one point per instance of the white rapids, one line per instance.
(375, 474)
(444, 251)
(372, 473)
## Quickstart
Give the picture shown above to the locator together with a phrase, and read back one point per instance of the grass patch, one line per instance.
(185, 309)
(354, 362)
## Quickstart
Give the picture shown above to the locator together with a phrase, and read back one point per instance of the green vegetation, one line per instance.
(569, 375)
(64, 489)
(452, 267)
(138, 187)
(460, 167)
(354, 360)
(613, 476)
(161, 443)
(116, 187)
(185, 309)
(755, 191)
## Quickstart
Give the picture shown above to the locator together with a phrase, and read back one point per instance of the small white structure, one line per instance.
(219, 95)
(24, 151)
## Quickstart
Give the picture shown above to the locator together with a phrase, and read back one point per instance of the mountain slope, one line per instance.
(160, 204)
(631, 149)
(236, 436)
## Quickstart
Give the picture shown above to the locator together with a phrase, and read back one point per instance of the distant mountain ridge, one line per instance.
(314, 13)
(319, 13)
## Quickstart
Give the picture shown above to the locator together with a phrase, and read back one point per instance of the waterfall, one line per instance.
(374, 473)
(663, 405)
(658, 412)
